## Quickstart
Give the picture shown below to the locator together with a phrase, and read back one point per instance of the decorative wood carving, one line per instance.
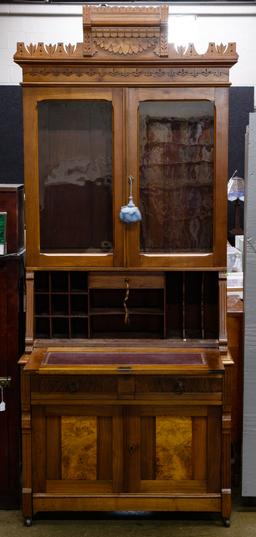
(165, 75)
(222, 312)
(121, 36)
(225, 54)
(123, 30)
(29, 338)
(137, 32)
(48, 52)
(126, 42)
(126, 34)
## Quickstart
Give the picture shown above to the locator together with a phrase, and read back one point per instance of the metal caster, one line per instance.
(226, 522)
(28, 522)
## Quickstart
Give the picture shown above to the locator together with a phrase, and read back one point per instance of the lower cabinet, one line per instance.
(124, 442)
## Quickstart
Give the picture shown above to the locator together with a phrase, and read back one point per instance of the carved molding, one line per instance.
(213, 52)
(163, 74)
(125, 42)
(96, 13)
(42, 51)
(125, 30)
(128, 34)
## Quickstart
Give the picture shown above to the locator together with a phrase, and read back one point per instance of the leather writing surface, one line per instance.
(86, 358)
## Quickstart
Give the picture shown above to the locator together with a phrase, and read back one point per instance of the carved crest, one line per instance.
(126, 43)
(125, 31)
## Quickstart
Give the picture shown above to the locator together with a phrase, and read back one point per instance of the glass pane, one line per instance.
(176, 176)
(75, 173)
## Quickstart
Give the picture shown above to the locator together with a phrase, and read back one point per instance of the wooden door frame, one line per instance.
(216, 258)
(35, 258)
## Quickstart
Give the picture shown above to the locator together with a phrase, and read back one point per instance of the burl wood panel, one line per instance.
(79, 447)
(173, 447)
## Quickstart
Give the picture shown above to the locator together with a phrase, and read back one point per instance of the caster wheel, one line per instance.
(28, 522)
(226, 522)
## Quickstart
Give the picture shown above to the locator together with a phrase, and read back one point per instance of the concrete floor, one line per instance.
(243, 524)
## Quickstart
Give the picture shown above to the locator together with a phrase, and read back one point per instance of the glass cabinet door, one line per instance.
(75, 176)
(79, 177)
(175, 156)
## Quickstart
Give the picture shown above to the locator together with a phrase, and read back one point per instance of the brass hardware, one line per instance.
(124, 368)
(126, 317)
(5, 382)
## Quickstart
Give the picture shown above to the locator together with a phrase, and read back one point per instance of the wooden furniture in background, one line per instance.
(11, 343)
(235, 331)
(126, 323)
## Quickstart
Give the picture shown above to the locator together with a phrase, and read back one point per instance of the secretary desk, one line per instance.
(126, 375)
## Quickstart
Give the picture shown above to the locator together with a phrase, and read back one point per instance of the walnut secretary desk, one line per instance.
(126, 376)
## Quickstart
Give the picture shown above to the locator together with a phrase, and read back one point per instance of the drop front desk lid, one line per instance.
(123, 360)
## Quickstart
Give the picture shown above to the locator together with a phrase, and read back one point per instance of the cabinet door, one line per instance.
(77, 449)
(177, 153)
(73, 169)
(173, 449)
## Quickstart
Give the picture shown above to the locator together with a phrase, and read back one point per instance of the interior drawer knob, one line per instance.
(179, 387)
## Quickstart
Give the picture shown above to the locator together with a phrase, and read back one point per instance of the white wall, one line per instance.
(188, 23)
(31, 24)
(201, 24)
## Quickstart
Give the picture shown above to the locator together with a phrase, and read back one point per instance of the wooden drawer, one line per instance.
(117, 280)
(178, 385)
(74, 384)
(124, 386)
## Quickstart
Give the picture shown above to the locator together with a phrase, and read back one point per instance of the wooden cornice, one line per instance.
(125, 43)
(43, 53)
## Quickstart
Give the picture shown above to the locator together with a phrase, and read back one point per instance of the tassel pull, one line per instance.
(130, 213)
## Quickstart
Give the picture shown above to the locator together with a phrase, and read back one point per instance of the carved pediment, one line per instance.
(125, 31)
(126, 42)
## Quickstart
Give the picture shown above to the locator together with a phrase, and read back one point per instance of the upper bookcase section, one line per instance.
(120, 38)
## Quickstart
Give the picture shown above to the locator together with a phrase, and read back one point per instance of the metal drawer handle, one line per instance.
(179, 387)
(5, 382)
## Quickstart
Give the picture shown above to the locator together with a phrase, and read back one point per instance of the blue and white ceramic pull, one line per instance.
(130, 213)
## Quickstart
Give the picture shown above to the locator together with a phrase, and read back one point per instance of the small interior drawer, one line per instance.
(117, 280)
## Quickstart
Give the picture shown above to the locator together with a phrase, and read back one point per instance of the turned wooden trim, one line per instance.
(223, 312)
(29, 338)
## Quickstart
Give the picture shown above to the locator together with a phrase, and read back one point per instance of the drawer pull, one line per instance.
(73, 387)
(179, 387)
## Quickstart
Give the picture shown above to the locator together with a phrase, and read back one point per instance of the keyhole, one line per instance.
(131, 449)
